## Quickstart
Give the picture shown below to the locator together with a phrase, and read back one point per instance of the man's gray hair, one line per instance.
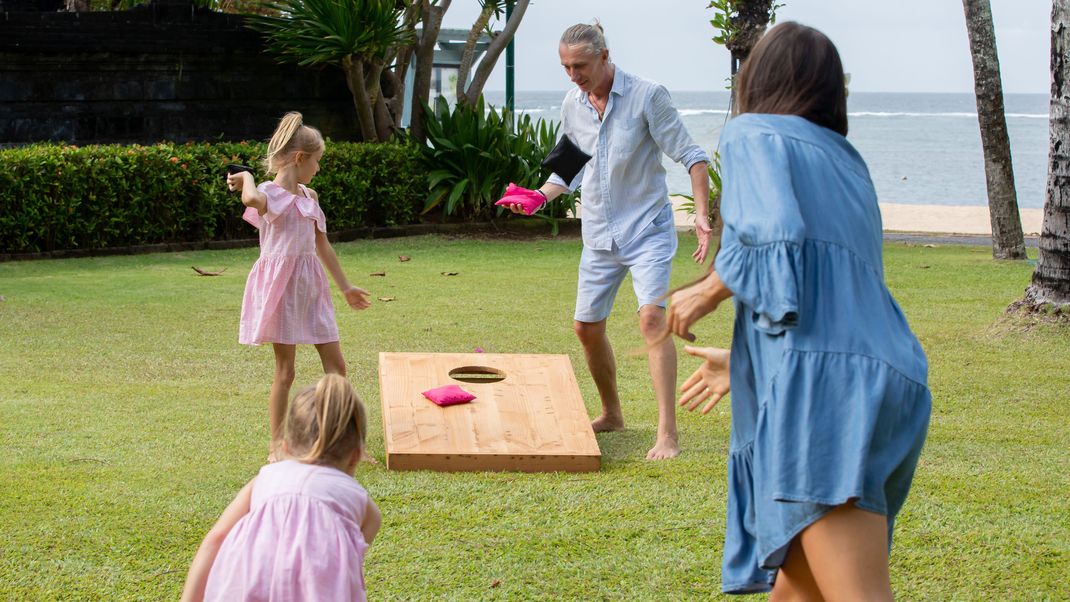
(592, 36)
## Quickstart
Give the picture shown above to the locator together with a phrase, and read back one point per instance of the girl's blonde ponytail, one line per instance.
(326, 422)
(290, 136)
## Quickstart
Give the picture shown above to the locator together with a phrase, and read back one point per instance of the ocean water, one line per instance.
(920, 148)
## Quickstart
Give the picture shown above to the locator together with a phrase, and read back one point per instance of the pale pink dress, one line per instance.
(287, 298)
(301, 539)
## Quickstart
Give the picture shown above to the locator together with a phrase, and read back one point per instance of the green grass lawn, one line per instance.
(130, 416)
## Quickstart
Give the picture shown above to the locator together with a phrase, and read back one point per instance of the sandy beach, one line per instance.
(930, 219)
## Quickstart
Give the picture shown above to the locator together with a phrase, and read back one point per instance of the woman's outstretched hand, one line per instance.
(357, 298)
(709, 382)
(688, 305)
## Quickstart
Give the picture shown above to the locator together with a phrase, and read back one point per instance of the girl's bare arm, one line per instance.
(250, 196)
(197, 577)
(373, 519)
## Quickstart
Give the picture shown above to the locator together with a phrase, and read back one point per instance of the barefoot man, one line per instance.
(625, 123)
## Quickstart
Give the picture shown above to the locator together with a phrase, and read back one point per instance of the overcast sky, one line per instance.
(886, 45)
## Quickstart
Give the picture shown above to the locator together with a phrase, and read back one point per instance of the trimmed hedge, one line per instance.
(56, 197)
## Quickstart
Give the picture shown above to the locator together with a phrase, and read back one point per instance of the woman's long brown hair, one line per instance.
(795, 70)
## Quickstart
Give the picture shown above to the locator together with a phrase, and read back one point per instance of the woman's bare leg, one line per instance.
(846, 552)
(794, 581)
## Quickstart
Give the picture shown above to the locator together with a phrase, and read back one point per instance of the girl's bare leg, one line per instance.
(331, 358)
(334, 363)
(844, 553)
(285, 356)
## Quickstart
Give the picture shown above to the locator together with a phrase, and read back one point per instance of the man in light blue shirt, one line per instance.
(625, 123)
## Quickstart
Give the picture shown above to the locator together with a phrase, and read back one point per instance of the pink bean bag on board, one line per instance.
(529, 200)
(448, 395)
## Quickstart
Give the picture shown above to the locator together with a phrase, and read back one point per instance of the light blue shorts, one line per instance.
(649, 260)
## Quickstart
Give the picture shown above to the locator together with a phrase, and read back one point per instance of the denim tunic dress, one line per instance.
(830, 401)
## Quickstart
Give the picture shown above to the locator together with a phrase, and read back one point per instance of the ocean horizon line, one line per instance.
(688, 112)
(562, 91)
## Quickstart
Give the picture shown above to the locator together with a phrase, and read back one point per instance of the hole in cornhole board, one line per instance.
(477, 374)
(528, 414)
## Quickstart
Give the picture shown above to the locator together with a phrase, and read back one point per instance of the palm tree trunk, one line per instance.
(1008, 241)
(497, 46)
(394, 87)
(425, 54)
(373, 87)
(469, 53)
(749, 24)
(1051, 279)
(354, 71)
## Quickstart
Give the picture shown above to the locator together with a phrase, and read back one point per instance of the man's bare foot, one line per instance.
(606, 424)
(664, 448)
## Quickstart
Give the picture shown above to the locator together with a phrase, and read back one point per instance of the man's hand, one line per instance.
(711, 381)
(522, 200)
(357, 298)
(704, 233)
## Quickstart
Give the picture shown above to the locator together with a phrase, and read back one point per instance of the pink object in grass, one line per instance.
(529, 200)
(479, 350)
(448, 395)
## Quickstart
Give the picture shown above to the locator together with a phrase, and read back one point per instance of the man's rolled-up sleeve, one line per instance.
(669, 132)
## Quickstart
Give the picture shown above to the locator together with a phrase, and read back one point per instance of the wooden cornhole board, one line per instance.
(532, 420)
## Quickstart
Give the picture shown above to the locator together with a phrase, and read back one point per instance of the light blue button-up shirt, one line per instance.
(623, 184)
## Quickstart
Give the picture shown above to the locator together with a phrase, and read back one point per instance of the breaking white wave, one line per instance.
(686, 112)
(917, 114)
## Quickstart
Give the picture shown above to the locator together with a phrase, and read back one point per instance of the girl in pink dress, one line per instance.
(299, 530)
(287, 299)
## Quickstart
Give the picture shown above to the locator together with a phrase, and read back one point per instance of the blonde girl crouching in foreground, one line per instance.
(287, 300)
(299, 530)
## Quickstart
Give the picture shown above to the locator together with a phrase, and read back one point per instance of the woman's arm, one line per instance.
(688, 305)
(710, 382)
(373, 519)
(250, 196)
(197, 577)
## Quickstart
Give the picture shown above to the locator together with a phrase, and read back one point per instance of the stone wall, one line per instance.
(165, 71)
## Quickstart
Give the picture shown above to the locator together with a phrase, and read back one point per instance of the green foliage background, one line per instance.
(473, 154)
(55, 196)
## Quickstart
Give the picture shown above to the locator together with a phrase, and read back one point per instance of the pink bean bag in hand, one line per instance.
(529, 200)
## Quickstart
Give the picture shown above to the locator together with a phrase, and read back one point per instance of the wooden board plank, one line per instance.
(533, 419)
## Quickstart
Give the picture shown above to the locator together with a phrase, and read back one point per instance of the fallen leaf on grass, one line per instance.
(930, 246)
(450, 273)
(496, 583)
(404, 258)
(387, 298)
(2, 298)
(378, 274)
(207, 273)
(924, 267)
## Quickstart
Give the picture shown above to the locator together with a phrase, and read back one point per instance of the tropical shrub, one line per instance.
(56, 196)
(474, 152)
